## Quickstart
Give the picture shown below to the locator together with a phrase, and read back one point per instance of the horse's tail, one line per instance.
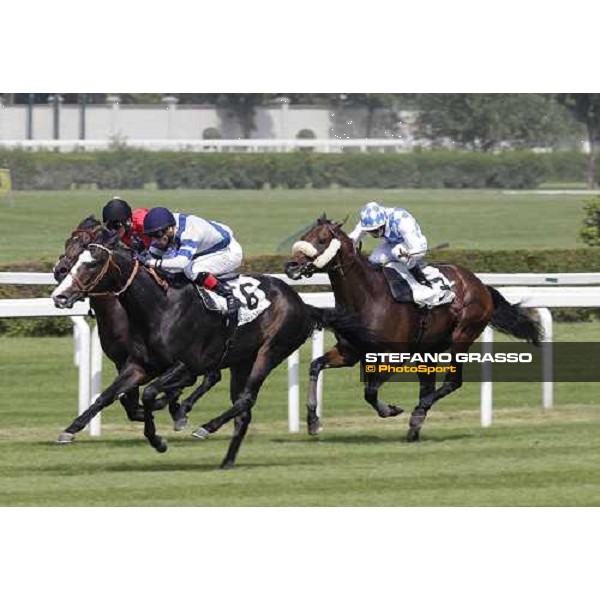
(348, 325)
(513, 320)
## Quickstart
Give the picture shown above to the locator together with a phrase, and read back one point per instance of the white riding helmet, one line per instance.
(372, 216)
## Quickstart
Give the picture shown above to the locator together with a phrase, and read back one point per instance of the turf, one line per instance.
(34, 225)
(527, 457)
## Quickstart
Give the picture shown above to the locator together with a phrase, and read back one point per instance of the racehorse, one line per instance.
(361, 287)
(173, 327)
(113, 330)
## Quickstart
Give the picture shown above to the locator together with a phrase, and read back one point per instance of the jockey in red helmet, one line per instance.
(129, 225)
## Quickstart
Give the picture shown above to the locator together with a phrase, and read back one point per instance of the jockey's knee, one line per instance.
(188, 271)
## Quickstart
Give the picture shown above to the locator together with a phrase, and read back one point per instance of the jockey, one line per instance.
(199, 248)
(129, 225)
(402, 240)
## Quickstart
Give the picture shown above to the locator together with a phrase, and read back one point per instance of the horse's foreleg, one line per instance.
(180, 417)
(335, 358)
(131, 376)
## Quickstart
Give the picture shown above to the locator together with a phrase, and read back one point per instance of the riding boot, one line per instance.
(233, 304)
(418, 274)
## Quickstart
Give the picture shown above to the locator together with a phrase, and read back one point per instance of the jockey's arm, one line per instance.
(172, 262)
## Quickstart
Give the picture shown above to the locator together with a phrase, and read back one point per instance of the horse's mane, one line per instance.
(90, 222)
(111, 240)
(323, 220)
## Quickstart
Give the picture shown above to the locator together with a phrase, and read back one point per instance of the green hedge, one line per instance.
(133, 169)
(566, 166)
(490, 261)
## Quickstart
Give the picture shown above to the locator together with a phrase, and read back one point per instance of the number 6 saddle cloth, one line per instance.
(246, 289)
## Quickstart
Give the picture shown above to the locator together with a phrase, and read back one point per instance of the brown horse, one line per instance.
(361, 287)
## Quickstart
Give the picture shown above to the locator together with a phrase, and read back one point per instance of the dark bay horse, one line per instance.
(172, 327)
(362, 288)
(113, 330)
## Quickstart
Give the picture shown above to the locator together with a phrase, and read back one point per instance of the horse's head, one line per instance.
(85, 233)
(100, 269)
(317, 248)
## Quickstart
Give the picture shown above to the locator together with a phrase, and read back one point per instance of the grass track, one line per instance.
(526, 458)
(34, 225)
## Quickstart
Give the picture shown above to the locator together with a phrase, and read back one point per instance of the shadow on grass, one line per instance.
(372, 439)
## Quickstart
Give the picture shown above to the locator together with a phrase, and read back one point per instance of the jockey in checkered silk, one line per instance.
(199, 248)
(401, 238)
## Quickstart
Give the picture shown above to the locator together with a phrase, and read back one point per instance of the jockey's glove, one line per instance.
(400, 251)
(148, 261)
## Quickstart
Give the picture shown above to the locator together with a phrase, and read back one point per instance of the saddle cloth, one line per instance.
(405, 288)
(246, 289)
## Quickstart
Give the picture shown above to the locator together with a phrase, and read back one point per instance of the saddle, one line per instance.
(399, 287)
(440, 286)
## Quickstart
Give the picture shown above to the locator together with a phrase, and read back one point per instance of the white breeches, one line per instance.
(217, 263)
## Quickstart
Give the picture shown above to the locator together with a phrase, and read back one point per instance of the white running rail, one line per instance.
(551, 293)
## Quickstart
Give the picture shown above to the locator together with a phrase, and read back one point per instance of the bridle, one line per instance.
(105, 268)
(323, 259)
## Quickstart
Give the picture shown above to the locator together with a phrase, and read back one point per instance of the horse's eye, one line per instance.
(322, 240)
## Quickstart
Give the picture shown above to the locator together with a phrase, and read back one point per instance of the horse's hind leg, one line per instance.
(239, 376)
(462, 338)
(426, 391)
(266, 360)
(169, 384)
(180, 414)
(130, 402)
(340, 355)
(372, 386)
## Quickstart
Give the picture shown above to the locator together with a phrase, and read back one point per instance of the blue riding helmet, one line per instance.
(157, 219)
(372, 216)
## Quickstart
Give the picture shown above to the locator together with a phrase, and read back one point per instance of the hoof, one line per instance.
(65, 438)
(161, 446)
(201, 433)
(395, 410)
(180, 424)
(315, 428)
(227, 466)
(413, 435)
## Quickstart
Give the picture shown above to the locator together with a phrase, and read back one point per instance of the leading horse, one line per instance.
(173, 327)
(361, 287)
(113, 330)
